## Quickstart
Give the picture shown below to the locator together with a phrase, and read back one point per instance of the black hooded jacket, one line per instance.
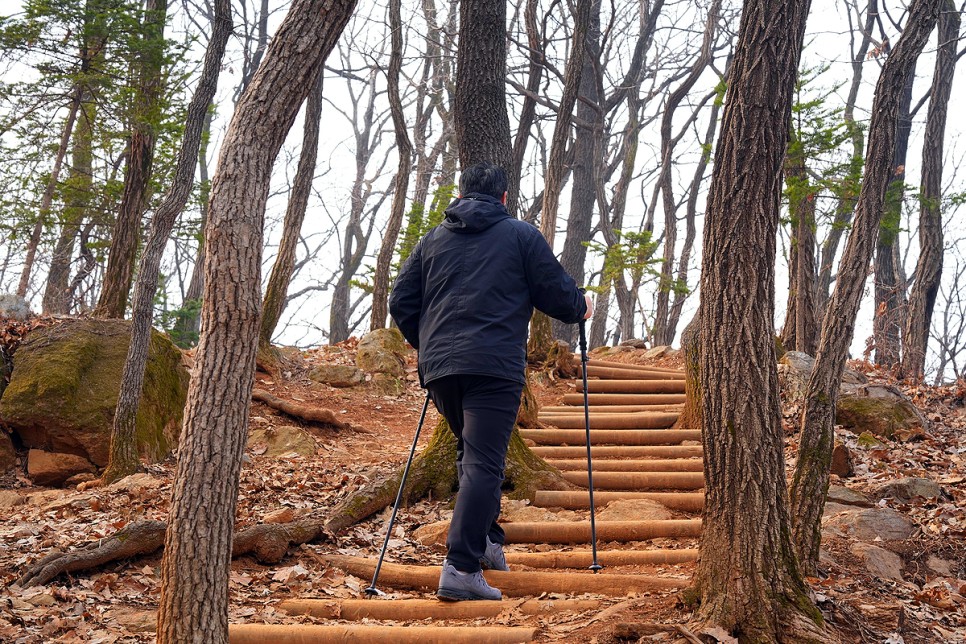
(465, 295)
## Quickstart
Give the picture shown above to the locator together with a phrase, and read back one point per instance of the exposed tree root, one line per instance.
(304, 412)
(267, 542)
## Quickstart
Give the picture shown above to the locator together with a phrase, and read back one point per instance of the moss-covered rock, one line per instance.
(65, 383)
(882, 410)
(382, 351)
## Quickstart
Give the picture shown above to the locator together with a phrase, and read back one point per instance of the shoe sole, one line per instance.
(449, 595)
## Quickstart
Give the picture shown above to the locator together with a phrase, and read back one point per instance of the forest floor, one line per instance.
(117, 603)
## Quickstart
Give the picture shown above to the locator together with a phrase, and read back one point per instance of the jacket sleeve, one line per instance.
(406, 298)
(552, 290)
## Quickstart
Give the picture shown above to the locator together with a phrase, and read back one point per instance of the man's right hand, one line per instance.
(590, 306)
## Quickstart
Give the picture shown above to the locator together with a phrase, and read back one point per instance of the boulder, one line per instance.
(65, 383)
(880, 409)
(15, 307)
(53, 469)
(845, 496)
(382, 351)
(906, 489)
(338, 375)
(842, 465)
(8, 454)
(634, 343)
(277, 441)
(657, 352)
(795, 368)
(871, 523)
(879, 561)
(432, 534)
(385, 384)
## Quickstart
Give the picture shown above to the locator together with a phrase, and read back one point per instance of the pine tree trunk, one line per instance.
(922, 298)
(278, 282)
(811, 477)
(748, 577)
(197, 549)
(123, 458)
(140, 160)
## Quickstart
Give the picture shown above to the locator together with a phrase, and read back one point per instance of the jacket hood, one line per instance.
(473, 213)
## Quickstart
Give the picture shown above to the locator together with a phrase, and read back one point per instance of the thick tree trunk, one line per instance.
(123, 458)
(886, 324)
(275, 293)
(194, 571)
(404, 148)
(479, 110)
(692, 415)
(922, 298)
(811, 478)
(140, 159)
(748, 579)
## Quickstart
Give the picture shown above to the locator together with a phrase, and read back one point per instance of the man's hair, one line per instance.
(484, 178)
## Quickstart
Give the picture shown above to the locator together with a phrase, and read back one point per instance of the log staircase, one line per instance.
(636, 455)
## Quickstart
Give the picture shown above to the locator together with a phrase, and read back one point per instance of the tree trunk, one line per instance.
(479, 110)
(124, 458)
(541, 330)
(137, 178)
(583, 195)
(404, 148)
(886, 324)
(274, 301)
(48, 197)
(811, 478)
(800, 332)
(748, 578)
(691, 416)
(529, 108)
(922, 298)
(662, 334)
(194, 570)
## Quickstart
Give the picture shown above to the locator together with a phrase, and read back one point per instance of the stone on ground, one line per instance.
(8, 455)
(870, 523)
(842, 465)
(880, 409)
(53, 469)
(879, 561)
(845, 496)
(795, 368)
(908, 488)
(281, 440)
(382, 351)
(338, 375)
(65, 383)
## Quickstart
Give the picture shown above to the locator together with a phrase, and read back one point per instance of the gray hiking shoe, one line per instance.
(455, 585)
(493, 558)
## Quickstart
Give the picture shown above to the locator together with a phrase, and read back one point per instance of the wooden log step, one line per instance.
(368, 634)
(583, 558)
(641, 420)
(633, 386)
(616, 373)
(618, 451)
(631, 465)
(639, 480)
(611, 436)
(512, 584)
(593, 362)
(624, 399)
(579, 531)
(407, 609)
(608, 409)
(572, 500)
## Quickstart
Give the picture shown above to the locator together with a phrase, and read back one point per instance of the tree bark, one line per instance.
(479, 110)
(404, 148)
(529, 108)
(123, 458)
(194, 570)
(811, 478)
(886, 324)
(278, 282)
(748, 578)
(922, 298)
(800, 332)
(137, 178)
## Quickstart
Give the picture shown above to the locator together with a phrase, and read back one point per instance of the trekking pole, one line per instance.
(590, 467)
(372, 590)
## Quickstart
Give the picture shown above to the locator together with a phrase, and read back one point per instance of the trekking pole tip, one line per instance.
(372, 591)
(596, 567)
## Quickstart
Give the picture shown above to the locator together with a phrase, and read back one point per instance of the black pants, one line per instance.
(481, 411)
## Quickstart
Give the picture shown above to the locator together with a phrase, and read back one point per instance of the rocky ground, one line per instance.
(908, 587)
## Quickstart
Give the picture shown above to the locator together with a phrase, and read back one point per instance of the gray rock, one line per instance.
(880, 409)
(879, 561)
(845, 496)
(382, 351)
(634, 343)
(906, 489)
(871, 523)
(53, 469)
(795, 368)
(14, 306)
(338, 375)
(657, 352)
